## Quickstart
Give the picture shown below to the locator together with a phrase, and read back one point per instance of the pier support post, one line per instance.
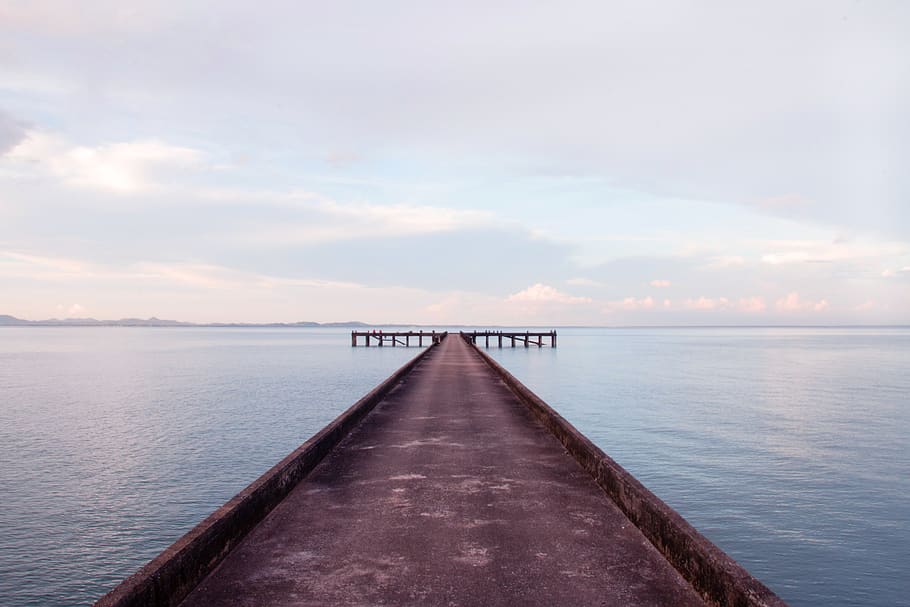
(353, 339)
(526, 339)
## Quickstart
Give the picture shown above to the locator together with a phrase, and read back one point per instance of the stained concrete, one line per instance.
(448, 493)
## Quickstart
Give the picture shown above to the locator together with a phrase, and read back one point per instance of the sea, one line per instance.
(787, 447)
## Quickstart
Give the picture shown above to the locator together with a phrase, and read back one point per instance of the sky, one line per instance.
(511, 163)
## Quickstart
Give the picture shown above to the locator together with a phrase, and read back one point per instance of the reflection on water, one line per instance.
(787, 447)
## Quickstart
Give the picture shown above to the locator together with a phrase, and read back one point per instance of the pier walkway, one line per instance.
(449, 492)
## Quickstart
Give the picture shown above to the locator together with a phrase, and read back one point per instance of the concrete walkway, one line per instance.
(449, 493)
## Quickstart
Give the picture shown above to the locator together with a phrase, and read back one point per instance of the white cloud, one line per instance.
(614, 156)
(752, 304)
(746, 304)
(707, 303)
(660, 284)
(14, 264)
(347, 220)
(737, 140)
(818, 251)
(332, 221)
(71, 311)
(60, 270)
(541, 293)
(407, 219)
(209, 276)
(631, 304)
(794, 303)
(645, 303)
(124, 167)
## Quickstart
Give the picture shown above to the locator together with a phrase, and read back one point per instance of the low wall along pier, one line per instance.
(450, 483)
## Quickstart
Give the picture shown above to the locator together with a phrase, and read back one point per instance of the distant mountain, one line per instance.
(11, 321)
(7, 320)
(147, 322)
(262, 325)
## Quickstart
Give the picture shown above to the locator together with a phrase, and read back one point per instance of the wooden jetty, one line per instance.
(395, 338)
(527, 338)
(403, 338)
(450, 483)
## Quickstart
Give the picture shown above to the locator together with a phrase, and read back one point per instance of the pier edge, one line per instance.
(169, 577)
(713, 573)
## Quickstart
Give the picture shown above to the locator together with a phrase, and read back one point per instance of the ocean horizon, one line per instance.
(7, 320)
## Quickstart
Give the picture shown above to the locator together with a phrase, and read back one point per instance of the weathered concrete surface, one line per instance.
(166, 579)
(450, 492)
(712, 572)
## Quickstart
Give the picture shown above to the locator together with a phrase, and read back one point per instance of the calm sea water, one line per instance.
(787, 447)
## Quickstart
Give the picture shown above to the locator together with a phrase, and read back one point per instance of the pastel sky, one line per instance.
(605, 163)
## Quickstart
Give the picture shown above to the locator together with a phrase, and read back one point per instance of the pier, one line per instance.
(395, 338)
(525, 338)
(497, 338)
(450, 483)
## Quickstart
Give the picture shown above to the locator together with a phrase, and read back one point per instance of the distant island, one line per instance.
(11, 321)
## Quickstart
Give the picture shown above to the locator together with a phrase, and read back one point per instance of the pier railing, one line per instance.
(525, 338)
(381, 338)
(396, 338)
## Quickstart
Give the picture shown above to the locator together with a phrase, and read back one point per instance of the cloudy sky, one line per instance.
(555, 163)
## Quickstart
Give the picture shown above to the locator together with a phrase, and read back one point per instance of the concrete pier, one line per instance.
(454, 489)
